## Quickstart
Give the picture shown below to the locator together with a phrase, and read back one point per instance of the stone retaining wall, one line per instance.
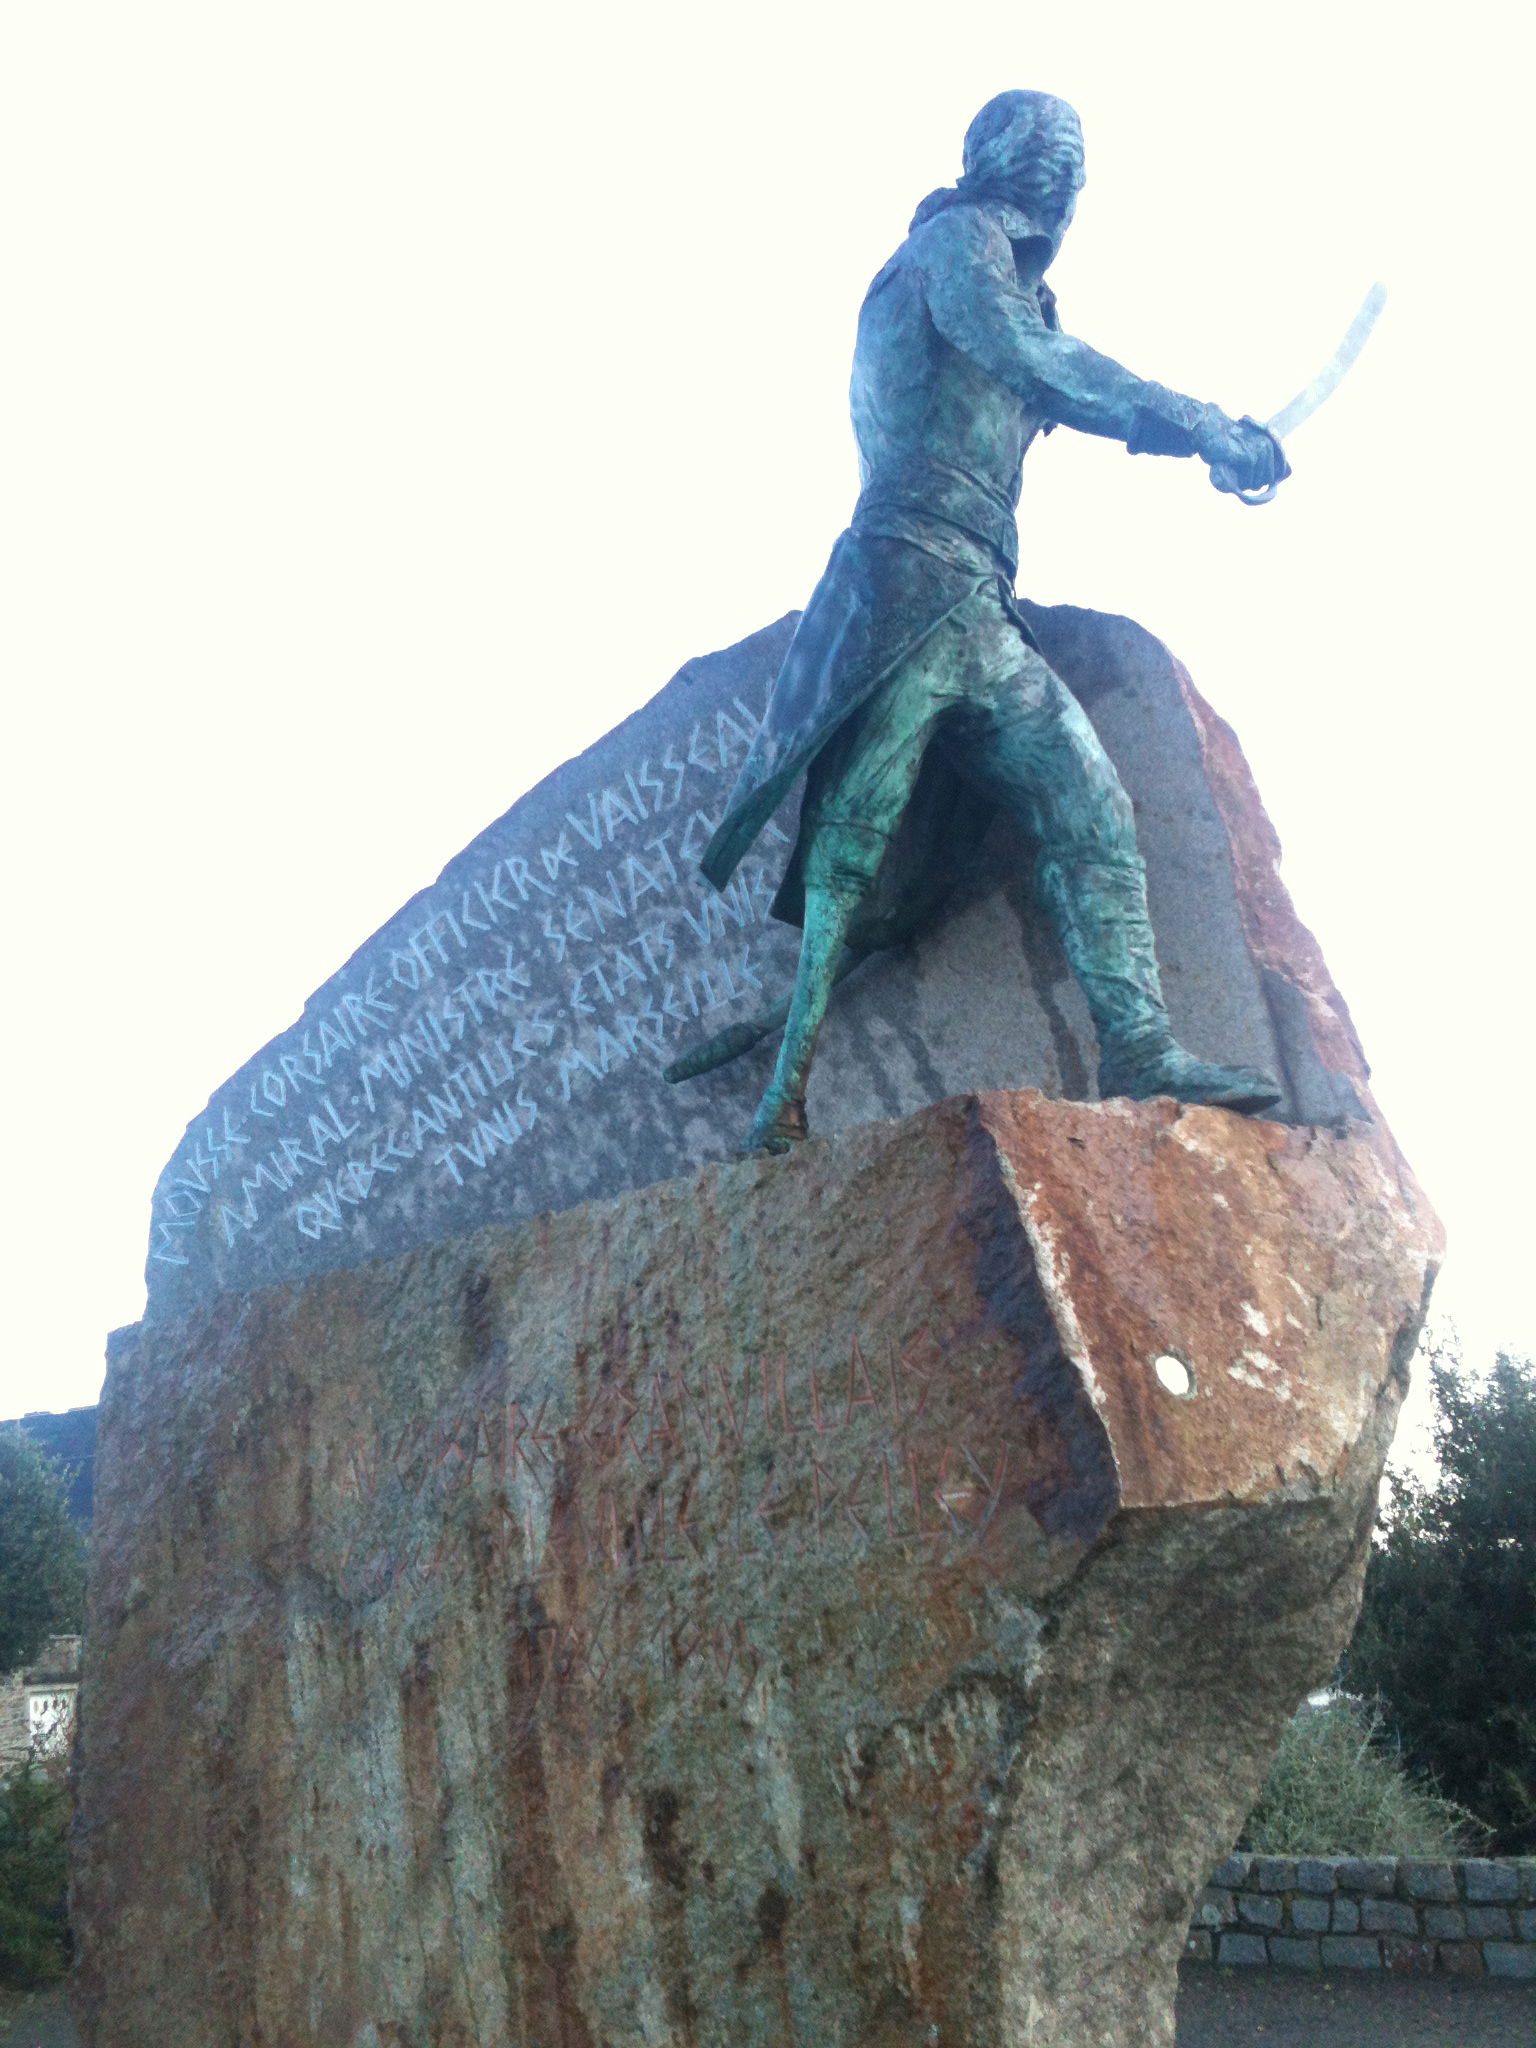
(1470, 1918)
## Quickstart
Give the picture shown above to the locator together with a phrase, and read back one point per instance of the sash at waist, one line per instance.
(897, 503)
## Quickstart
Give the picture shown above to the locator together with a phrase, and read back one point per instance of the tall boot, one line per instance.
(780, 1122)
(1098, 904)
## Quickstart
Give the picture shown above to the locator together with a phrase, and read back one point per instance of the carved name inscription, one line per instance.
(714, 1475)
(452, 1069)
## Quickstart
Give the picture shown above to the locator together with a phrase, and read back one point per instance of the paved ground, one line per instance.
(38, 2022)
(1217, 2009)
(1274, 2009)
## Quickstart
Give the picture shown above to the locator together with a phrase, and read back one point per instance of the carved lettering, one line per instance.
(591, 949)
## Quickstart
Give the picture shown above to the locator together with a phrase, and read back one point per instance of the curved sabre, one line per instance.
(1285, 422)
(1328, 378)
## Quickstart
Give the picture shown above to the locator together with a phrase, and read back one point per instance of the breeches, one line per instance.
(1006, 723)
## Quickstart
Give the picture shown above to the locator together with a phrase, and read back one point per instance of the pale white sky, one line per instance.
(395, 396)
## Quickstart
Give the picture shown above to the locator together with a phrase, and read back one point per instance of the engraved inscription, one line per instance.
(495, 1010)
(694, 1474)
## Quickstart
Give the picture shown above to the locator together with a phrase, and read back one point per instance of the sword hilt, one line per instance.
(1225, 479)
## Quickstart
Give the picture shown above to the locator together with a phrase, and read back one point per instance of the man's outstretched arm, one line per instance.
(979, 307)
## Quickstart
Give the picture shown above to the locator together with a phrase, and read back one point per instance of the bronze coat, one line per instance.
(959, 364)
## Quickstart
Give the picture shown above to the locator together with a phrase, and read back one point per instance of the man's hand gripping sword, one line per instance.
(1305, 403)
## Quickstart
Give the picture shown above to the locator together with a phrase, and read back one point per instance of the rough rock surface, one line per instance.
(783, 1605)
(495, 1050)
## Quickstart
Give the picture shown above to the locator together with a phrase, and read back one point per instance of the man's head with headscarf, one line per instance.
(1026, 149)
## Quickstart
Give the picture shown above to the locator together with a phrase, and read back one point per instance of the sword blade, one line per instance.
(1326, 382)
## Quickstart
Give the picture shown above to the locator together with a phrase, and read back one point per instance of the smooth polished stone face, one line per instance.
(496, 1050)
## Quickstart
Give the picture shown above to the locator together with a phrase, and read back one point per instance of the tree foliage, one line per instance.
(42, 1554)
(1447, 1634)
(34, 1910)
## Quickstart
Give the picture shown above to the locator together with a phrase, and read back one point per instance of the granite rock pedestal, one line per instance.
(847, 1599)
(558, 1586)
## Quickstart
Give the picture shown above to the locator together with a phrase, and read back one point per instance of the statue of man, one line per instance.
(913, 696)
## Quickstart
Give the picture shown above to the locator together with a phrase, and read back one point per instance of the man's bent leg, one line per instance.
(781, 1120)
(1031, 745)
(1099, 909)
(853, 806)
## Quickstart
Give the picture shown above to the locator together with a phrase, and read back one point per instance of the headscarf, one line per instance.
(1024, 149)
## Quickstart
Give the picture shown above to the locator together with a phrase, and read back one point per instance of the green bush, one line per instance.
(34, 1911)
(1338, 1787)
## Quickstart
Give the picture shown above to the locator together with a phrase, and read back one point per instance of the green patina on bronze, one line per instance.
(913, 697)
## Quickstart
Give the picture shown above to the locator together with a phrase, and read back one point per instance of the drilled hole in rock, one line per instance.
(1173, 1375)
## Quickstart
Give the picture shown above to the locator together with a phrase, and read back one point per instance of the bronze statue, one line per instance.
(913, 696)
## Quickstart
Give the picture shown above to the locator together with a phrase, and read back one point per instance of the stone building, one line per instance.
(37, 1705)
